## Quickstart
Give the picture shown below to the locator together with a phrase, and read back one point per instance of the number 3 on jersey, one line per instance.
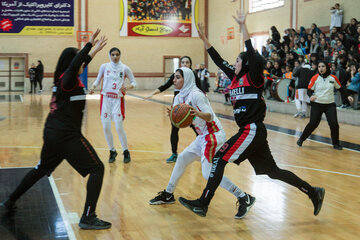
(114, 86)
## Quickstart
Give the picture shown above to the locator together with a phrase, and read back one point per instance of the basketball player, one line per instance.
(210, 137)
(112, 106)
(62, 133)
(185, 61)
(250, 142)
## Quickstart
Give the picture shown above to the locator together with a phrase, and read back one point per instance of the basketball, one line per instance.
(180, 115)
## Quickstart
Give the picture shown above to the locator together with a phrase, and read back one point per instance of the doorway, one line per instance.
(171, 63)
(12, 74)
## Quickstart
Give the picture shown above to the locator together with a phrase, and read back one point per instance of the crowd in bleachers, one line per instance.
(340, 49)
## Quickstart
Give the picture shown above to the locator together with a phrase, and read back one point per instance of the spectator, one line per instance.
(340, 73)
(354, 86)
(304, 45)
(40, 74)
(304, 74)
(326, 57)
(314, 29)
(32, 77)
(204, 75)
(351, 28)
(336, 16)
(275, 35)
(314, 47)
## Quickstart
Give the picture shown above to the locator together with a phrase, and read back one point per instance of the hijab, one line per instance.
(115, 66)
(189, 82)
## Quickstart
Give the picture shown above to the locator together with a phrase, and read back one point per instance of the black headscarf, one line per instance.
(64, 62)
(328, 71)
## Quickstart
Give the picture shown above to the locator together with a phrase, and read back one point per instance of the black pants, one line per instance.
(317, 109)
(249, 143)
(73, 147)
(174, 136)
(32, 86)
(39, 80)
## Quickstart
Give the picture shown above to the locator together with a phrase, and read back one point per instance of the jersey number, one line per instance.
(114, 86)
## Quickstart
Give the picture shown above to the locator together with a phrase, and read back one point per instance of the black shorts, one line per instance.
(72, 146)
(249, 143)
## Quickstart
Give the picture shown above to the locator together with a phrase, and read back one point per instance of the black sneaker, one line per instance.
(245, 203)
(8, 205)
(93, 223)
(338, 147)
(163, 198)
(299, 142)
(317, 199)
(112, 156)
(127, 157)
(195, 206)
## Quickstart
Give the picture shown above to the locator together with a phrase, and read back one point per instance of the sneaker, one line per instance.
(317, 199)
(112, 156)
(92, 222)
(299, 142)
(338, 147)
(172, 158)
(127, 157)
(195, 206)
(8, 205)
(297, 114)
(163, 198)
(245, 203)
(302, 115)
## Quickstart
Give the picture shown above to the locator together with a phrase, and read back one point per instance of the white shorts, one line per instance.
(205, 146)
(112, 108)
(301, 95)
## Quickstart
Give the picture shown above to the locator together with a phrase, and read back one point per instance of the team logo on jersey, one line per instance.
(108, 72)
(241, 82)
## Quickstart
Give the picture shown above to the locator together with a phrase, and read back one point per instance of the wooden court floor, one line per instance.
(280, 211)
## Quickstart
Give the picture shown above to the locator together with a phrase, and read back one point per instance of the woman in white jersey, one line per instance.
(211, 137)
(112, 102)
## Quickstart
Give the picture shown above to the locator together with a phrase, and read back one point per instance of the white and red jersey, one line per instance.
(324, 88)
(200, 102)
(114, 79)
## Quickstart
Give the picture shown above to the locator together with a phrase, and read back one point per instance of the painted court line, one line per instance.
(62, 209)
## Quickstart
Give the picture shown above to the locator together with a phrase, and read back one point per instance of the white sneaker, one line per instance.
(297, 114)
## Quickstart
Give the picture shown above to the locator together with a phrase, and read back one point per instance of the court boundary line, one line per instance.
(63, 213)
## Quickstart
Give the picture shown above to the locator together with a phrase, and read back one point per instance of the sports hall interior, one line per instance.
(280, 211)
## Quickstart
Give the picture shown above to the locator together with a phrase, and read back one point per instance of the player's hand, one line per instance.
(194, 112)
(313, 98)
(201, 31)
(91, 90)
(94, 36)
(240, 17)
(123, 89)
(168, 110)
(351, 99)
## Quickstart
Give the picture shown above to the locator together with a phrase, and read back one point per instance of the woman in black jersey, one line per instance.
(185, 61)
(62, 133)
(250, 142)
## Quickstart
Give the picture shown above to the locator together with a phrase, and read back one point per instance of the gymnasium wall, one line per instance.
(144, 55)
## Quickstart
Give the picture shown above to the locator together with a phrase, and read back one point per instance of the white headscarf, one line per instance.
(115, 66)
(189, 83)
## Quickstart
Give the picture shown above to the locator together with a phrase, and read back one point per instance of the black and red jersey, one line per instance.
(68, 98)
(246, 88)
